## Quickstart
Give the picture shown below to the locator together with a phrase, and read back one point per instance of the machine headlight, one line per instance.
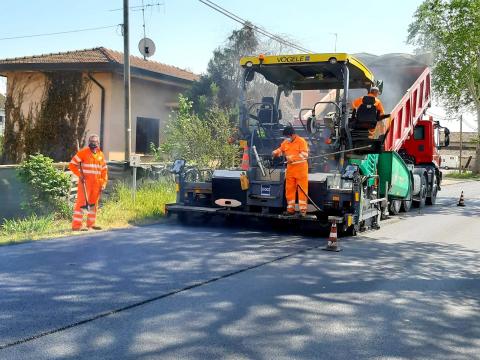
(249, 64)
(332, 60)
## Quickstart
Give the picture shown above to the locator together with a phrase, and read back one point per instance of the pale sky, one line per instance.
(186, 31)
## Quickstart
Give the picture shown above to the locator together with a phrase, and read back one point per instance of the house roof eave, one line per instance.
(57, 67)
(96, 67)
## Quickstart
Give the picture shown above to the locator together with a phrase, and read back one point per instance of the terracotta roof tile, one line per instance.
(79, 56)
(154, 66)
(102, 55)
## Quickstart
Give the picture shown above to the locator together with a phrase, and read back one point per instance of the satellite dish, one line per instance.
(146, 47)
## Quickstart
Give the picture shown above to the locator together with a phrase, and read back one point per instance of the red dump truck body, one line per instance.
(408, 112)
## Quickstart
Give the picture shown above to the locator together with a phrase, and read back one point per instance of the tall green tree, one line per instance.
(221, 84)
(450, 30)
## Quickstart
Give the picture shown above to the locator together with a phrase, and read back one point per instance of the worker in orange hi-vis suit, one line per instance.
(374, 91)
(90, 167)
(295, 150)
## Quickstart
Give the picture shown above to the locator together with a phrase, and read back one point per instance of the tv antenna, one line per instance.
(146, 46)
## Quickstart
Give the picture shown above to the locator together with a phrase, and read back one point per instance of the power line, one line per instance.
(139, 7)
(252, 26)
(260, 30)
(58, 33)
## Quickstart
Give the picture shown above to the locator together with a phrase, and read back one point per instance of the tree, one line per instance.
(63, 114)
(224, 67)
(450, 30)
(221, 84)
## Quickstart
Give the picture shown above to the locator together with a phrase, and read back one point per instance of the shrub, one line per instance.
(203, 141)
(48, 186)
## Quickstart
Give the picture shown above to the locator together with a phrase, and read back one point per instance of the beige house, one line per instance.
(154, 92)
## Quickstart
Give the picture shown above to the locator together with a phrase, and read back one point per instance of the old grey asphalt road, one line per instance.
(408, 291)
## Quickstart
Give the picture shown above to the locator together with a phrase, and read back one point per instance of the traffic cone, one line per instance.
(332, 244)
(245, 159)
(461, 202)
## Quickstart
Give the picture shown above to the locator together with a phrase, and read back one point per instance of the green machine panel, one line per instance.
(367, 165)
(392, 169)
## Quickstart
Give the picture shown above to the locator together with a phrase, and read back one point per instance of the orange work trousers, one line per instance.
(296, 176)
(93, 195)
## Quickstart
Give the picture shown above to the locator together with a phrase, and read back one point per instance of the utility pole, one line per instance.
(126, 81)
(461, 141)
(336, 37)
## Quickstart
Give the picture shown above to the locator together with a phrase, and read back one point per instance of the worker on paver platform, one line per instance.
(295, 150)
(90, 167)
(367, 99)
(368, 113)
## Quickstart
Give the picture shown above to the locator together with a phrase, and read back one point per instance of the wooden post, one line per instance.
(461, 143)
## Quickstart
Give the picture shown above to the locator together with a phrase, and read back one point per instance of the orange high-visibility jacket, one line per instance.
(295, 152)
(94, 166)
(378, 104)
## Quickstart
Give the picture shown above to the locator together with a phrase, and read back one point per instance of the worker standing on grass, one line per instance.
(295, 150)
(90, 167)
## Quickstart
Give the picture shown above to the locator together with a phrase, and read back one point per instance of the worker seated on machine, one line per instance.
(295, 150)
(368, 114)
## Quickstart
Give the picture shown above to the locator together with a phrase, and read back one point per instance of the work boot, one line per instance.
(94, 228)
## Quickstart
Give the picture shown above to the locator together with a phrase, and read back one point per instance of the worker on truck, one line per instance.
(295, 150)
(91, 169)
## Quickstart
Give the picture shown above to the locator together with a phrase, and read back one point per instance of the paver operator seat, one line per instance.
(366, 116)
(267, 114)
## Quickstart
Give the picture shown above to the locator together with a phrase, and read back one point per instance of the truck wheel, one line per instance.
(423, 194)
(407, 203)
(394, 207)
(431, 200)
(423, 197)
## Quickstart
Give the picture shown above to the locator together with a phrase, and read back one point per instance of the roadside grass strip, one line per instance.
(463, 175)
(119, 210)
